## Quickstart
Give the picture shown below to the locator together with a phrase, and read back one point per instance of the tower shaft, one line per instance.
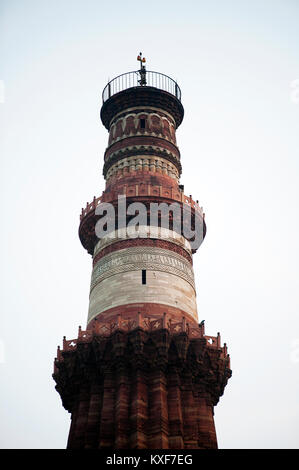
(143, 374)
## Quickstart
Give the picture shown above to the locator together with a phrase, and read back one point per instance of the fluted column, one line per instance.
(175, 416)
(122, 408)
(71, 437)
(158, 409)
(189, 413)
(94, 413)
(139, 410)
(206, 427)
(107, 415)
(80, 422)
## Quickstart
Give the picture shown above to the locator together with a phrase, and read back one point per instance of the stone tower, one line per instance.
(142, 374)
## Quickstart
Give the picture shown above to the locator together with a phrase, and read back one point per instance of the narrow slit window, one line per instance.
(142, 123)
(143, 276)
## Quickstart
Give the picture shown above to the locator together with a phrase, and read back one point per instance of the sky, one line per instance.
(237, 64)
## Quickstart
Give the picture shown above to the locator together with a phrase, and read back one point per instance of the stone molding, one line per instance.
(147, 323)
(153, 233)
(142, 163)
(118, 245)
(133, 148)
(141, 109)
(128, 124)
(138, 258)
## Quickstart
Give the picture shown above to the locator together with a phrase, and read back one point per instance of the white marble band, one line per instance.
(158, 233)
(138, 258)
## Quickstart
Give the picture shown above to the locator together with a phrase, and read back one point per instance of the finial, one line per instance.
(142, 70)
(141, 59)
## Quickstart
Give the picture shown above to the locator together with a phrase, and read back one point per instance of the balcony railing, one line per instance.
(141, 78)
(142, 189)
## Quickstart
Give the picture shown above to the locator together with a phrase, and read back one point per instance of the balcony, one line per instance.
(141, 78)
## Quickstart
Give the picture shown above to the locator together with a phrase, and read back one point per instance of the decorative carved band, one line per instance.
(154, 237)
(153, 123)
(141, 189)
(147, 323)
(141, 109)
(140, 151)
(142, 140)
(156, 165)
(119, 245)
(138, 258)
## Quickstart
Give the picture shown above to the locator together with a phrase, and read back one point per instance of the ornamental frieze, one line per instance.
(138, 258)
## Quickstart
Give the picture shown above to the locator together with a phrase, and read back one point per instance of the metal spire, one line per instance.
(142, 70)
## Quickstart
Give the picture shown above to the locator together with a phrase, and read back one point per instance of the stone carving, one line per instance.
(159, 233)
(138, 258)
(129, 124)
(127, 164)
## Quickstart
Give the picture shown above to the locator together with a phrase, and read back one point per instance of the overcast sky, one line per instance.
(237, 63)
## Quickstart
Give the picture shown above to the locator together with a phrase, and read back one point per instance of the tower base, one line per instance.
(141, 387)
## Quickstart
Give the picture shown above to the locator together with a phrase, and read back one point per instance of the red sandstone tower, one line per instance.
(143, 374)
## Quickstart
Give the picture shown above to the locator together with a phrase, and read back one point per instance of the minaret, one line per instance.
(142, 374)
